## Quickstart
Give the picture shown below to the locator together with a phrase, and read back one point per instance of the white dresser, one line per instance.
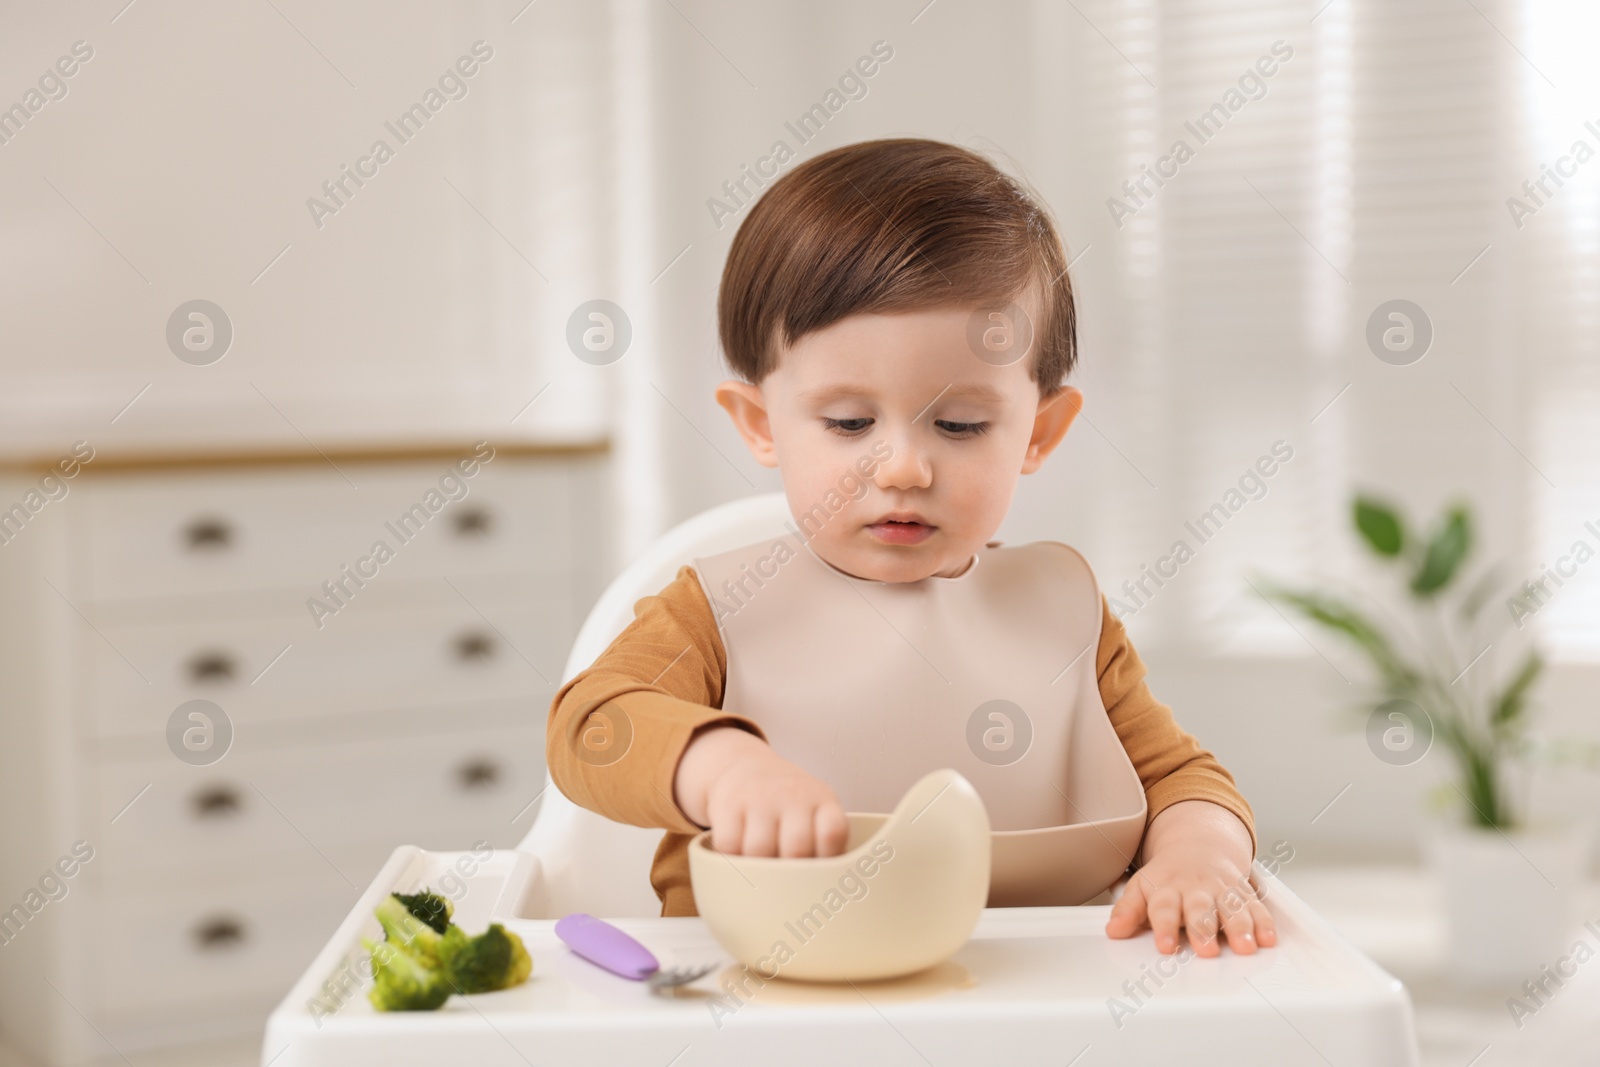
(408, 708)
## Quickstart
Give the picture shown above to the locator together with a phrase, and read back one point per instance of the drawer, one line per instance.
(330, 812)
(183, 533)
(186, 947)
(444, 652)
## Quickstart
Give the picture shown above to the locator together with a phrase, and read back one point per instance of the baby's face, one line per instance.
(883, 418)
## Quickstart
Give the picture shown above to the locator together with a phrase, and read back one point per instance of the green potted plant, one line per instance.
(1508, 882)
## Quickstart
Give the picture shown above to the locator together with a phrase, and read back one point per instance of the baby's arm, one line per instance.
(638, 737)
(1200, 840)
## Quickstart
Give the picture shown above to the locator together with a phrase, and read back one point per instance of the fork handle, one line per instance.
(605, 945)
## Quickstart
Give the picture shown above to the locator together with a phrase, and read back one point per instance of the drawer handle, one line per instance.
(216, 801)
(204, 535)
(219, 933)
(212, 667)
(480, 773)
(474, 647)
(473, 522)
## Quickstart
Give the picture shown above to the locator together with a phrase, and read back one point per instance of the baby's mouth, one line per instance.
(901, 533)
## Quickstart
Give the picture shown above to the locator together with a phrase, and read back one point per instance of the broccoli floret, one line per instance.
(402, 981)
(495, 959)
(416, 969)
(406, 931)
(431, 908)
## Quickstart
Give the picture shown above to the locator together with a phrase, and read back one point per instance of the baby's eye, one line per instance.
(846, 427)
(963, 429)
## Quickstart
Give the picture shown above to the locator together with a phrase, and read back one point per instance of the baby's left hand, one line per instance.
(1196, 876)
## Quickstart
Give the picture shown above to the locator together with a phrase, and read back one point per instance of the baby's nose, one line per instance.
(906, 467)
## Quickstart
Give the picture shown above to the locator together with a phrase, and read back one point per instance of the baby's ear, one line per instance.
(1050, 424)
(747, 407)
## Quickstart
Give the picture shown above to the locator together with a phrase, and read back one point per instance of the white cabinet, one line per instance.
(409, 708)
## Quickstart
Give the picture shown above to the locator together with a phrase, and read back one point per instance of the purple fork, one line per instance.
(606, 946)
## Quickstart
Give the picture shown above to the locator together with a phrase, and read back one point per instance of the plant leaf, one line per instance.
(1479, 594)
(1345, 619)
(1380, 525)
(1508, 709)
(1444, 553)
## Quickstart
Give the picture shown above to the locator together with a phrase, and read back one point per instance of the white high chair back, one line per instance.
(590, 863)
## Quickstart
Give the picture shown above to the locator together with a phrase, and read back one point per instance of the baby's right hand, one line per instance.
(755, 802)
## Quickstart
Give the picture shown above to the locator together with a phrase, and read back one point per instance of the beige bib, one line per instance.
(870, 685)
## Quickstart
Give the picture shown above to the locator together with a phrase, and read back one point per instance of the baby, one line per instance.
(900, 318)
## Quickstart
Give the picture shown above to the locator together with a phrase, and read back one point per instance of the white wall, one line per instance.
(179, 165)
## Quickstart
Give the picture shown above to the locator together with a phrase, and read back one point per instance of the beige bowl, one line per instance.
(903, 896)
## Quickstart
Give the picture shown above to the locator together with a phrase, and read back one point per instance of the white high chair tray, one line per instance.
(1033, 985)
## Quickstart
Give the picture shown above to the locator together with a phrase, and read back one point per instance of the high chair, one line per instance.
(1032, 985)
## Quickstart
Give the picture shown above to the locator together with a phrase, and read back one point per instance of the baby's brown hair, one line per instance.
(897, 224)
